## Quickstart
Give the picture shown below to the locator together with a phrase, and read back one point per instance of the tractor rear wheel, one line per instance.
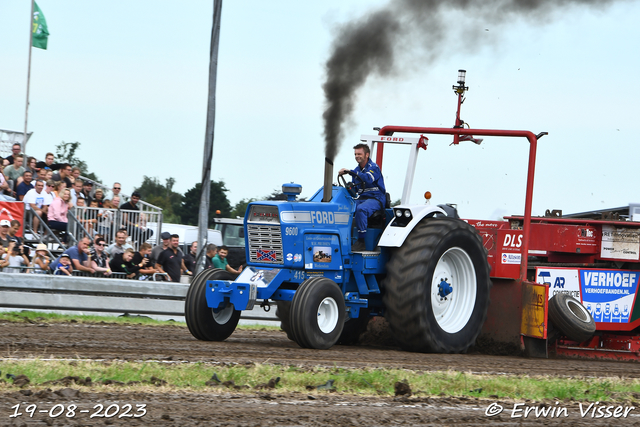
(317, 313)
(204, 322)
(437, 287)
(570, 317)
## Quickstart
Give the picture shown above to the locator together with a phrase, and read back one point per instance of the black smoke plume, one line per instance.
(376, 43)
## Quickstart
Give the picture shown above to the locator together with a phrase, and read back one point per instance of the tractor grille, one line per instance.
(265, 243)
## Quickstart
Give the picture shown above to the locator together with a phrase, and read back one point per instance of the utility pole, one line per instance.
(203, 216)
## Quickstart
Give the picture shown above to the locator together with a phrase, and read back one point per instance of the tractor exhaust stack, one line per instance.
(328, 180)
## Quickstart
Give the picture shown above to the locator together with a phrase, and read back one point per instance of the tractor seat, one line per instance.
(379, 217)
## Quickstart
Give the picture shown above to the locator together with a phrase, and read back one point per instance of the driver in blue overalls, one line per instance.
(371, 191)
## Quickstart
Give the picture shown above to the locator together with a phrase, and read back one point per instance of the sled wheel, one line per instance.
(571, 317)
(437, 287)
(283, 312)
(353, 328)
(204, 322)
(317, 313)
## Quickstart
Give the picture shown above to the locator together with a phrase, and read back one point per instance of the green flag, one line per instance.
(39, 28)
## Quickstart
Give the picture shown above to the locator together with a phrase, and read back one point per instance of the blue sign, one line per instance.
(609, 294)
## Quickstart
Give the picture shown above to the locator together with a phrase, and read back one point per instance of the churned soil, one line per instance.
(222, 407)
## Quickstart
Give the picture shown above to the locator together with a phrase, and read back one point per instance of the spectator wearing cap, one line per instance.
(63, 265)
(25, 185)
(41, 262)
(155, 252)
(4, 233)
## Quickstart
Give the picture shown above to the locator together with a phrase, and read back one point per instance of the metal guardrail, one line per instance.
(89, 294)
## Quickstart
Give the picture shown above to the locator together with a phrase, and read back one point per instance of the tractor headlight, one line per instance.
(402, 217)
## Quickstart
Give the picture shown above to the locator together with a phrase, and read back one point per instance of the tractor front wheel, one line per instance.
(317, 313)
(437, 287)
(204, 322)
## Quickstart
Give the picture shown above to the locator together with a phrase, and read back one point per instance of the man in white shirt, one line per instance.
(38, 200)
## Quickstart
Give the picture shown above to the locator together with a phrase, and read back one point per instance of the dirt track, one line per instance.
(107, 341)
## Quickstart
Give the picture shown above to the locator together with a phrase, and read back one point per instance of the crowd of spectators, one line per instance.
(94, 258)
(50, 190)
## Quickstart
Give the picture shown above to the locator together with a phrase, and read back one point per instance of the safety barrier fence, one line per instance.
(89, 294)
(107, 222)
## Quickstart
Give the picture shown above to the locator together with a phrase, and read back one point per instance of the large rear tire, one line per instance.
(570, 317)
(317, 313)
(205, 323)
(437, 287)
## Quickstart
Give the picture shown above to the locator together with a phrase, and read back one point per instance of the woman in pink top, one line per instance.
(57, 213)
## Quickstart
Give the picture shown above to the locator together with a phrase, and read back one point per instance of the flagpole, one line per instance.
(26, 108)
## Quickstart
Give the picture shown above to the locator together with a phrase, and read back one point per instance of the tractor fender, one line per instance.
(394, 234)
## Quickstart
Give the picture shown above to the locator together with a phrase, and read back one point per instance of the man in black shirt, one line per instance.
(171, 260)
(121, 263)
(63, 175)
(136, 228)
(190, 256)
(141, 259)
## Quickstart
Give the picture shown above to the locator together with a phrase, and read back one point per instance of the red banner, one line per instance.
(11, 211)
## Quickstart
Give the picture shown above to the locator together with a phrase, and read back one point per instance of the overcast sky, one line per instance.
(128, 80)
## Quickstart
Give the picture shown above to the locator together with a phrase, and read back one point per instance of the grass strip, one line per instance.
(131, 376)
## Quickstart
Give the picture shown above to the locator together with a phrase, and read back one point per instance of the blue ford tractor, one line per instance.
(424, 269)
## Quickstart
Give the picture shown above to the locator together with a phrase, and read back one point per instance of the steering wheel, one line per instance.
(351, 187)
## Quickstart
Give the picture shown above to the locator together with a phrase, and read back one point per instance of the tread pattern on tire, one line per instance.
(567, 322)
(407, 287)
(302, 328)
(198, 315)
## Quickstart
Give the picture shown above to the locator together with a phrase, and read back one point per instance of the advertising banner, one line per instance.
(609, 295)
